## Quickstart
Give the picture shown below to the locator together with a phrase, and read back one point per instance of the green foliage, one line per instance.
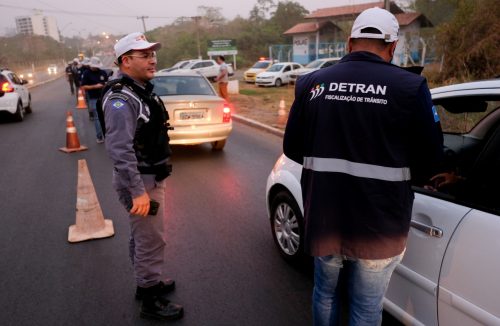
(472, 41)
(437, 11)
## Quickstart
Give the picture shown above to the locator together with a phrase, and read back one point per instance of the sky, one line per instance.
(120, 16)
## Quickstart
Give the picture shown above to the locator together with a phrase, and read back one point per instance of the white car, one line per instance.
(17, 98)
(208, 68)
(313, 66)
(277, 75)
(450, 271)
(197, 114)
(178, 65)
(52, 69)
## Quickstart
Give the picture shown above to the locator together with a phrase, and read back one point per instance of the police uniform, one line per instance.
(137, 142)
(362, 129)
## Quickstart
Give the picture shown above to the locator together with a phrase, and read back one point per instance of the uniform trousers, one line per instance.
(147, 235)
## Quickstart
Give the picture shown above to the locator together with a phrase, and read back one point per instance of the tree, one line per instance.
(472, 41)
(288, 14)
(437, 11)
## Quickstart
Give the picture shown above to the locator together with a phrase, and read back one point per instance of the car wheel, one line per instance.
(278, 83)
(19, 115)
(28, 108)
(218, 145)
(287, 226)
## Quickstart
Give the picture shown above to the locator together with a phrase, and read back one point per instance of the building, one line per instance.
(38, 25)
(326, 32)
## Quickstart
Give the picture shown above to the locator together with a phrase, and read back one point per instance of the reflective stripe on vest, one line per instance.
(362, 170)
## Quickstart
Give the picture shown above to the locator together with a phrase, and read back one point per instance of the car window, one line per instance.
(14, 78)
(261, 65)
(287, 68)
(197, 65)
(275, 68)
(328, 64)
(181, 85)
(314, 64)
(471, 164)
(296, 67)
(209, 64)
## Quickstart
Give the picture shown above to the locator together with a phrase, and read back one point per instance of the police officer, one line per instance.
(135, 121)
(358, 128)
(93, 80)
(69, 77)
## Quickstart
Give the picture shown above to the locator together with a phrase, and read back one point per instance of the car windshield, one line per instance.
(181, 85)
(275, 68)
(184, 64)
(261, 65)
(314, 64)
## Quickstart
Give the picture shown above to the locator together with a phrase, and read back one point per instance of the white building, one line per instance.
(38, 25)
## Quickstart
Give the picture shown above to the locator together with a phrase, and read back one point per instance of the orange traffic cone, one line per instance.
(72, 142)
(81, 100)
(281, 110)
(90, 223)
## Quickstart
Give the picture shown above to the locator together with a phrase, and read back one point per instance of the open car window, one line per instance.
(471, 130)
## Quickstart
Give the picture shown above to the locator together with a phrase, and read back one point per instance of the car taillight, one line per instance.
(226, 114)
(7, 87)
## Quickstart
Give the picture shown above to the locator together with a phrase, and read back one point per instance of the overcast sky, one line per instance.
(120, 16)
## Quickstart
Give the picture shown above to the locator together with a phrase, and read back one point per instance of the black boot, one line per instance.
(156, 306)
(165, 288)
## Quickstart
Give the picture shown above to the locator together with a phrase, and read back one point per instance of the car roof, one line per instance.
(482, 87)
(287, 63)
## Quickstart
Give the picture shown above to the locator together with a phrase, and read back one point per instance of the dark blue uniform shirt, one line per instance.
(362, 129)
(93, 77)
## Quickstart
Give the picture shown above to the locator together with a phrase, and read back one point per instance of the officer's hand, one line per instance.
(140, 205)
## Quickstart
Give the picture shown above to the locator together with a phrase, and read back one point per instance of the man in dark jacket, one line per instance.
(359, 128)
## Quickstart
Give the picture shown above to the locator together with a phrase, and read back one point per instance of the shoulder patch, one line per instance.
(435, 114)
(117, 104)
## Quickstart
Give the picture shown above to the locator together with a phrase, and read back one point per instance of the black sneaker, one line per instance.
(153, 308)
(163, 288)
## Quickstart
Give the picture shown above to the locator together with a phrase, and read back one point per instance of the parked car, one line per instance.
(449, 274)
(17, 98)
(277, 75)
(52, 69)
(312, 66)
(197, 113)
(208, 68)
(177, 65)
(260, 66)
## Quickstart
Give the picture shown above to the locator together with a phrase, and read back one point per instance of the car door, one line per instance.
(20, 88)
(412, 292)
(285, 75)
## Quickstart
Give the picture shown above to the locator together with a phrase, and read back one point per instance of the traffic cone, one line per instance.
(90, 223)
(81, 100)
(72, 142)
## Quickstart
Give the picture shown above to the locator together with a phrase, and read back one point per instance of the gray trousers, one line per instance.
(147, 235)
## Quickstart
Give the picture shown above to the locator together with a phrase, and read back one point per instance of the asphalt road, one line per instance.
(220, 249)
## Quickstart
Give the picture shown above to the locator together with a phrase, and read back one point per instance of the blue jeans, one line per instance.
(367, 281)
(92, 102)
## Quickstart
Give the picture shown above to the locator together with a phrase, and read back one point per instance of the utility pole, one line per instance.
(143, 22)
(197, 21)
(387, 5)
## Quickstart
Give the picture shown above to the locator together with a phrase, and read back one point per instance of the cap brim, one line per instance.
(148, 46)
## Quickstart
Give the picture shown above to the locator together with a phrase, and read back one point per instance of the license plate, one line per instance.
(192, 115)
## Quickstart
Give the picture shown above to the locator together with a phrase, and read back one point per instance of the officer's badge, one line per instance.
(118, 104)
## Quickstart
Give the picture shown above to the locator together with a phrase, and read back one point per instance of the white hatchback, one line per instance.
(277, 75)
(449, 274)
(17, 98)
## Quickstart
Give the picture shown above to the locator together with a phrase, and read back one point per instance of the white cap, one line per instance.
(377, 18)
(95, 62)
(85, 62)
(134, 41)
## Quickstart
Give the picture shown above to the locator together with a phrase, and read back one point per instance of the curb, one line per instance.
(258, 125)
(44, 82)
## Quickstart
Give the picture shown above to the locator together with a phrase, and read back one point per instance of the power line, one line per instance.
(68, 12)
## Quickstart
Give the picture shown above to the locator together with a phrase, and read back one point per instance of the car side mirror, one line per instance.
(24, 81)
